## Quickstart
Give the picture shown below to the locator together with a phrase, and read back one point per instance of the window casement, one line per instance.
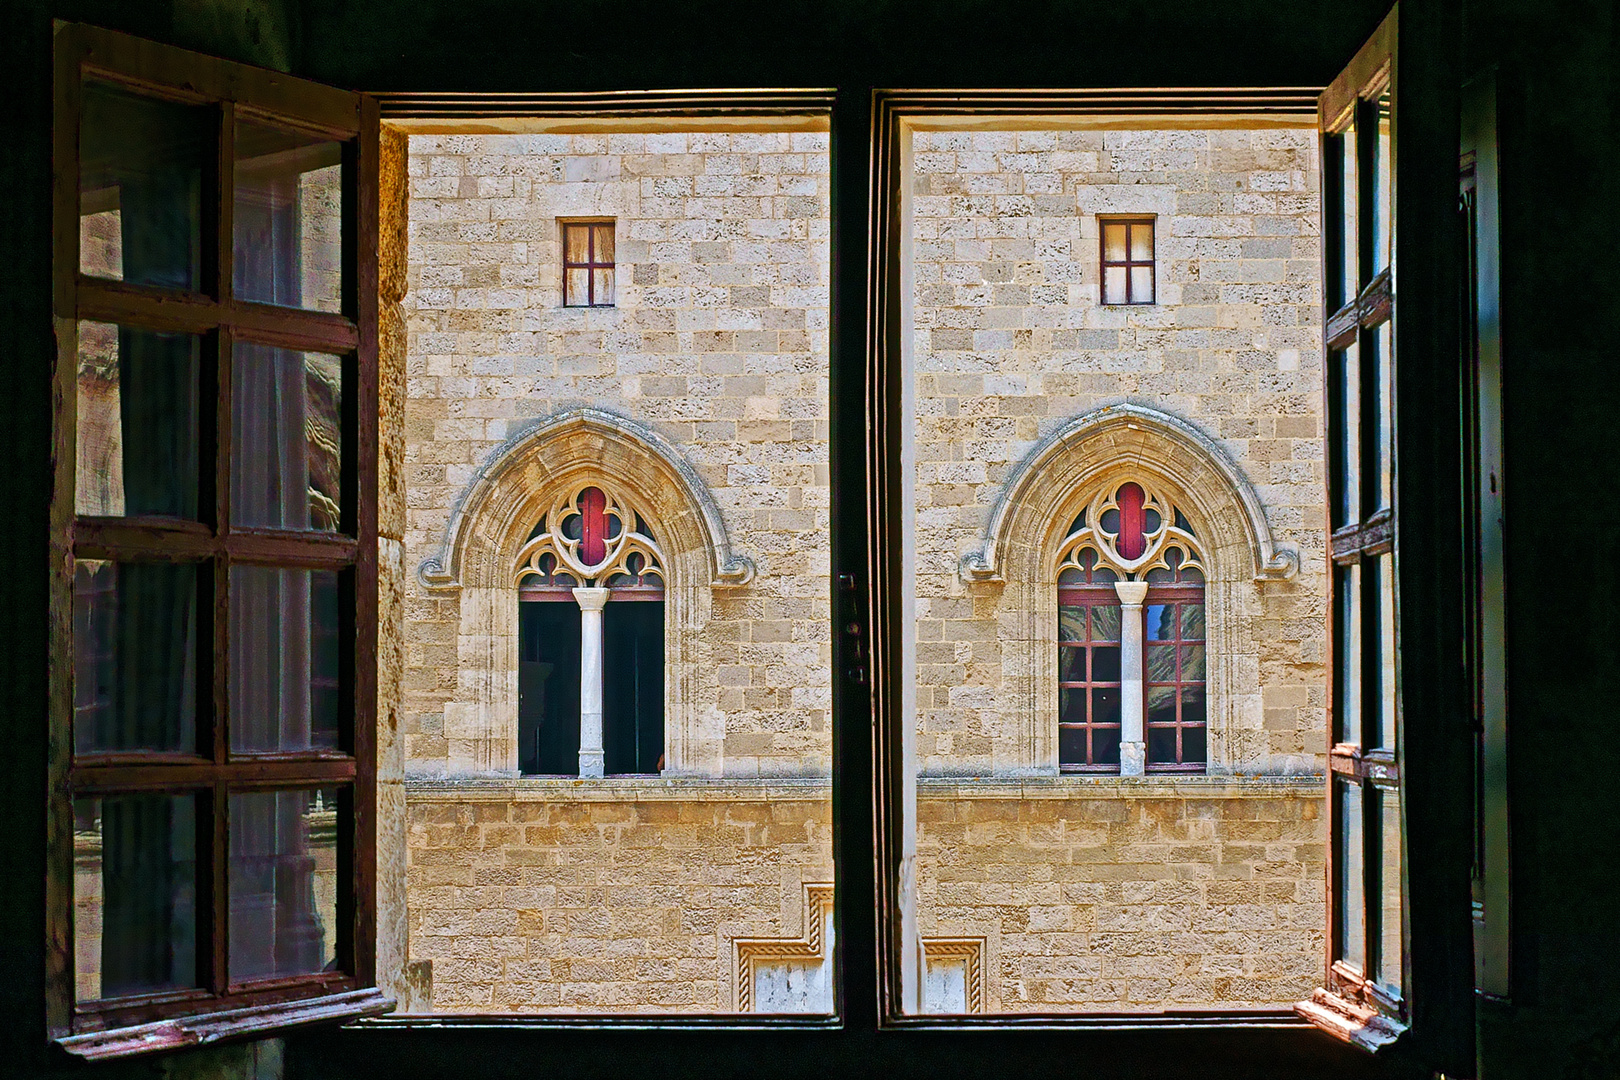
(591, 640)
(216, 425)
(587, 267)
(1131, 663)
(1128, 270)
(866, 563)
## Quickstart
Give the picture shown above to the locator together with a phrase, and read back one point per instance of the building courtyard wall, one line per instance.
(642, 894)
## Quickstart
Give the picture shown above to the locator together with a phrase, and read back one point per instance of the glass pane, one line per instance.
(1344, 430)
(1114, 285)
(1192, 622)
(1350, 883)
(1160, 621)
(577, 288)
(1382, 196)
(1071, 624)
(1351, 233)
(1113, 241)
(286, 438)
(718, 731)
(141, 168)
(1161, 705)
(1072, 741)
(135, 637)
(1105, 625)
(1161, 663)
(1104, 663)
(602, 288)
(139, 423)
(1142, 241)
(134, 895)
(1192, 663)
(1381, 436)
(283, 882)
(1378, 651)
(603, 240)
(1347, 654)
(1391, 908)
(1071, 665)
(286, 659)
(577, 243)
(1141, 284)
(287, 218)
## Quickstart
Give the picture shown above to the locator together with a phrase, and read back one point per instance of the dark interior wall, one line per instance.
(1560, 131)
(1559, 140)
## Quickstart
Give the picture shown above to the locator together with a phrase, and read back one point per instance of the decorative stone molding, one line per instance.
(580, 441)
(970, 952)
(813, 948)
(535, 476)
(1030, 528)
(1148, 440)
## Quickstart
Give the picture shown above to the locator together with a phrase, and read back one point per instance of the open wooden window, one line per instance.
(215, 295)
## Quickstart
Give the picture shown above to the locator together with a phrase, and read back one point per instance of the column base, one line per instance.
(591, 764)
(1132, 759)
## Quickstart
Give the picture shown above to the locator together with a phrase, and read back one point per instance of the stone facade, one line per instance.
(702, 394)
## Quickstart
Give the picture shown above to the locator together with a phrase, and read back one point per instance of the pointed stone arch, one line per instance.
(1017, 553)
(476, 570)
(509, 488)
(1130, 436)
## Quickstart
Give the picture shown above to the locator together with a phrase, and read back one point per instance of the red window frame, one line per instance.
(591, 265)
(1128, 264)
(1088, 597)
(1179, 595)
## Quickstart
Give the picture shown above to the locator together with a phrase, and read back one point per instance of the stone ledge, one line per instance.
(632, 789)
(1077, 786)
(624, 789)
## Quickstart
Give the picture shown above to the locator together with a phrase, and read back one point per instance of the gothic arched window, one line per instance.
(1131, 664)
(590, 640)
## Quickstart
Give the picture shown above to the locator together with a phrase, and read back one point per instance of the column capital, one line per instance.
(1131, 593)
(595, 599)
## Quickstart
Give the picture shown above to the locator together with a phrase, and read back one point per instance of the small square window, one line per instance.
(588, 264)
(1127, 260)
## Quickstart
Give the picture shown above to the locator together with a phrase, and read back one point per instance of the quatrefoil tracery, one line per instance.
(1129, 530)
(593, 537)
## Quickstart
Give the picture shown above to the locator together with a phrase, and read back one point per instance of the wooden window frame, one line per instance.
(590, 265)
(1177, 593)
(867, 564)
(1088, 597)
(1130, 221)
(136, 1023)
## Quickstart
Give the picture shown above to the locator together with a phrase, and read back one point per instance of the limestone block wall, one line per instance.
(717, 341)
(1176, 894)
(628, 898)
(1011, 342)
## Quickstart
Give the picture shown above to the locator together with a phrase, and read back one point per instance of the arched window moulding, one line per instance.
(1130, 434)
(489, 538)
(1022, 551)
(492, 486)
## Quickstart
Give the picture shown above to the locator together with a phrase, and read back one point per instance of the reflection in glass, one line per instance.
(1352, 902)
(1344, 405)
(1350, 267)
(1380, 470)
(1387, 819)
(287, 218)
(1378, 651)
(1105, 622)
(283, 883)
(134, 657)
(287, 438)
(1382, 197)
(134, 895)
(138, 423)
(141, 167)
(285, 659)
(1347, 653)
